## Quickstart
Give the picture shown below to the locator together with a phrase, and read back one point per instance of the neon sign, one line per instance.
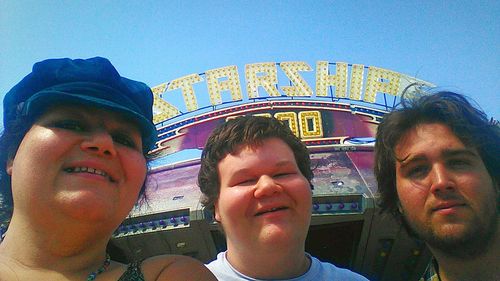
(337, 80)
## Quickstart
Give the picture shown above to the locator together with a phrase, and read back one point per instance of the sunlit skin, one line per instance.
(75, 177)
(264, 207)
(68, 137)
(447, 195)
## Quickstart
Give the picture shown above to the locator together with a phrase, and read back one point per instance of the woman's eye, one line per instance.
(458, 163)
(124, 140)
(72, 125)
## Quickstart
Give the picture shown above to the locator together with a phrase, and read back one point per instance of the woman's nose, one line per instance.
(99, 142)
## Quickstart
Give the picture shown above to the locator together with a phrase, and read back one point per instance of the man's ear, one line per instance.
(216, 212)
(400, 209)
(8, 167)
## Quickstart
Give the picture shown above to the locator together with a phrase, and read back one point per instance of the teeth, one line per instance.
(86, 170)
(270, 210)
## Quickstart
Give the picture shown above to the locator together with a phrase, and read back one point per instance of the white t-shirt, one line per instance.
(317, 272)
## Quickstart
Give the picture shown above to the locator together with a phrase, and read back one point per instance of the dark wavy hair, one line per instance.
(244, 130)
(10, 139)
(466, 121)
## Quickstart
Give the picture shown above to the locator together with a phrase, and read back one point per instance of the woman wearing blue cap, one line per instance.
(73, 162)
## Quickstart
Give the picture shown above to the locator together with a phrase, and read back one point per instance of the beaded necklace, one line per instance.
(92, 276)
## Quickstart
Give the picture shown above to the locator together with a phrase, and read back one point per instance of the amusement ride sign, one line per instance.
(283, 90)
(354, 82)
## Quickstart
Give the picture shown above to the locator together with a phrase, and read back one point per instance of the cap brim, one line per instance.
(37, 103)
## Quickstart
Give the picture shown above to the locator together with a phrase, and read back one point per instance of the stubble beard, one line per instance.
(472, 242)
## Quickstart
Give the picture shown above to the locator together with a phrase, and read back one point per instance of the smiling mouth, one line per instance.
(270, 211)
(89, 170)
(448, 207)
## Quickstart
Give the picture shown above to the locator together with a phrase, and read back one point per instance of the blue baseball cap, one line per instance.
(93, 82)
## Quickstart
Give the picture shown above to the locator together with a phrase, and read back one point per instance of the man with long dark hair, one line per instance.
(437, 167)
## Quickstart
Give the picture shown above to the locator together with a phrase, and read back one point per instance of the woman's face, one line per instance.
(79, 163)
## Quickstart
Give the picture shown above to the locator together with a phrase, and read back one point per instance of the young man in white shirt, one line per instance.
(256, 177)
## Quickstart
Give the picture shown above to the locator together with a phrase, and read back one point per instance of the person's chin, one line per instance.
(459, 240)
(277, 234)
(87, 207)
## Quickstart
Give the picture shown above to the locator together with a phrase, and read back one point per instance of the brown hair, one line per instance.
(245, 130)
(467, 122)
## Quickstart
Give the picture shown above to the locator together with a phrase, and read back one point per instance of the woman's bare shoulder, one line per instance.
(175, 267)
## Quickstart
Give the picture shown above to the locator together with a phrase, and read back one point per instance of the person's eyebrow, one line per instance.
(447, 153)
(459, 152)
(248, 171)
(285, 163)
(240, 172)
(410, 159)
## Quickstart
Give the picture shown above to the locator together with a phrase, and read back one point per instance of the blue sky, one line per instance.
(453, 44)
